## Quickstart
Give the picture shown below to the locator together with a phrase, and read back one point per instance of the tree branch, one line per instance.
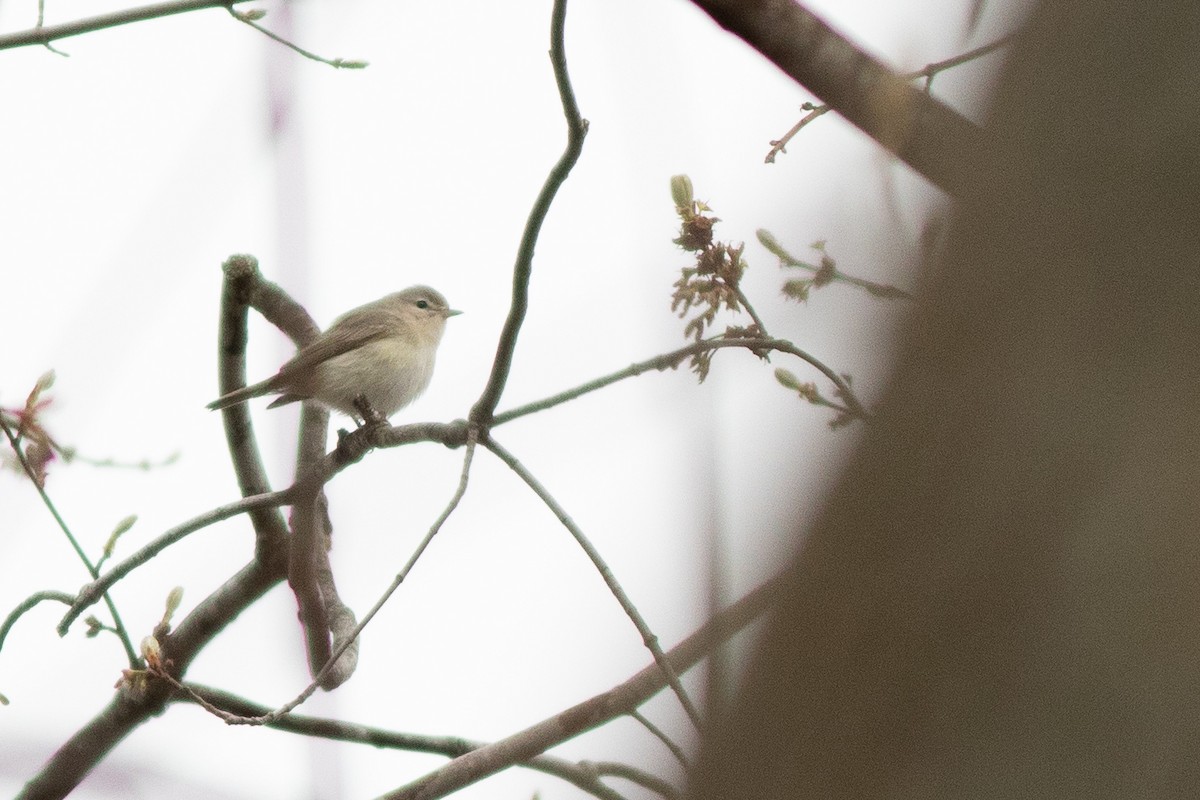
(581, 775)
(924, 133)
(605, 707)
(577, 127)
(44, 34)
(673, 359)
(631, 611)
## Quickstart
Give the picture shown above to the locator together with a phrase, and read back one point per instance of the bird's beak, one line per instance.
(450, 312)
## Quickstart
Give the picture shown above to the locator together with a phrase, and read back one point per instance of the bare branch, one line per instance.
(673, 359)
(251, 19)
(638, 776)
(926, 134)
(605, 707)
(44, 34)
(930, 70)
(582, 775)
(927, 72)
(780, 145)
(648, 636)
(131, 707)
(661, 735)
(347, 639)
(91, 593)
(28, 604)
(118, 625)
(577, 127)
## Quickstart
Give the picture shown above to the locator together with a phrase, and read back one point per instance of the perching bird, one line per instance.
(383, 351)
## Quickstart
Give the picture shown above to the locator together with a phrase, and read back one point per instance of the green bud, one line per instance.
(768, 240)
(174, 598)
(787, 379)
(681, 191)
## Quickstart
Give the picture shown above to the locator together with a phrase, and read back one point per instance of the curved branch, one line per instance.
(27, 605)
(577, 127)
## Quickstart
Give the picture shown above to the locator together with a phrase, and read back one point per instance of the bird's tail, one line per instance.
(240, 395)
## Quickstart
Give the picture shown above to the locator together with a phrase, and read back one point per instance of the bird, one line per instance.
(382, 351)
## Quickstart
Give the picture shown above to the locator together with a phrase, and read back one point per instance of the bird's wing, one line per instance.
(369, 325)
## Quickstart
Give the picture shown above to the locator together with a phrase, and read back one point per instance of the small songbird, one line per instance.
(383, 351)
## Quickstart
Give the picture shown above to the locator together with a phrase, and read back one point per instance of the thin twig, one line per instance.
(118, 625)
(338, 63)
(745, 303)
(44, 34)
(661, 735)
(638, 776)
(780, 145)
(93, 591)
(29, 603)
(592, 713)
(673, 359)
(485, 407)
(318, 679)
(648, 637)
(582, 775)
(925, 133)
(930, 70)
(927, 72)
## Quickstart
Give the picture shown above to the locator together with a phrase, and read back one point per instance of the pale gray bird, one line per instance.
(383, 351)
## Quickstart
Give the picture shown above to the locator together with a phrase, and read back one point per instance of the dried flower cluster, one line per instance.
(32, 443)
(711, 284)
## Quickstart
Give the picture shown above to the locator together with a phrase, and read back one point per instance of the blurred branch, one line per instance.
(930, 70)
(927, 72)
(825, 273)
(44, 34)
(924, 133)
(605, 707)
(577, 127)
(661, 735)
(648, 636)
(581, 775)
(638, 776)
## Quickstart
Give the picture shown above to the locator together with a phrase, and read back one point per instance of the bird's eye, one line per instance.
(422, 304)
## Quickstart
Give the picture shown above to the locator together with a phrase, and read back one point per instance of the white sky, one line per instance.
(134, 167)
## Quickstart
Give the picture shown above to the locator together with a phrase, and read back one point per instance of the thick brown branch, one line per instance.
(924, 133)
